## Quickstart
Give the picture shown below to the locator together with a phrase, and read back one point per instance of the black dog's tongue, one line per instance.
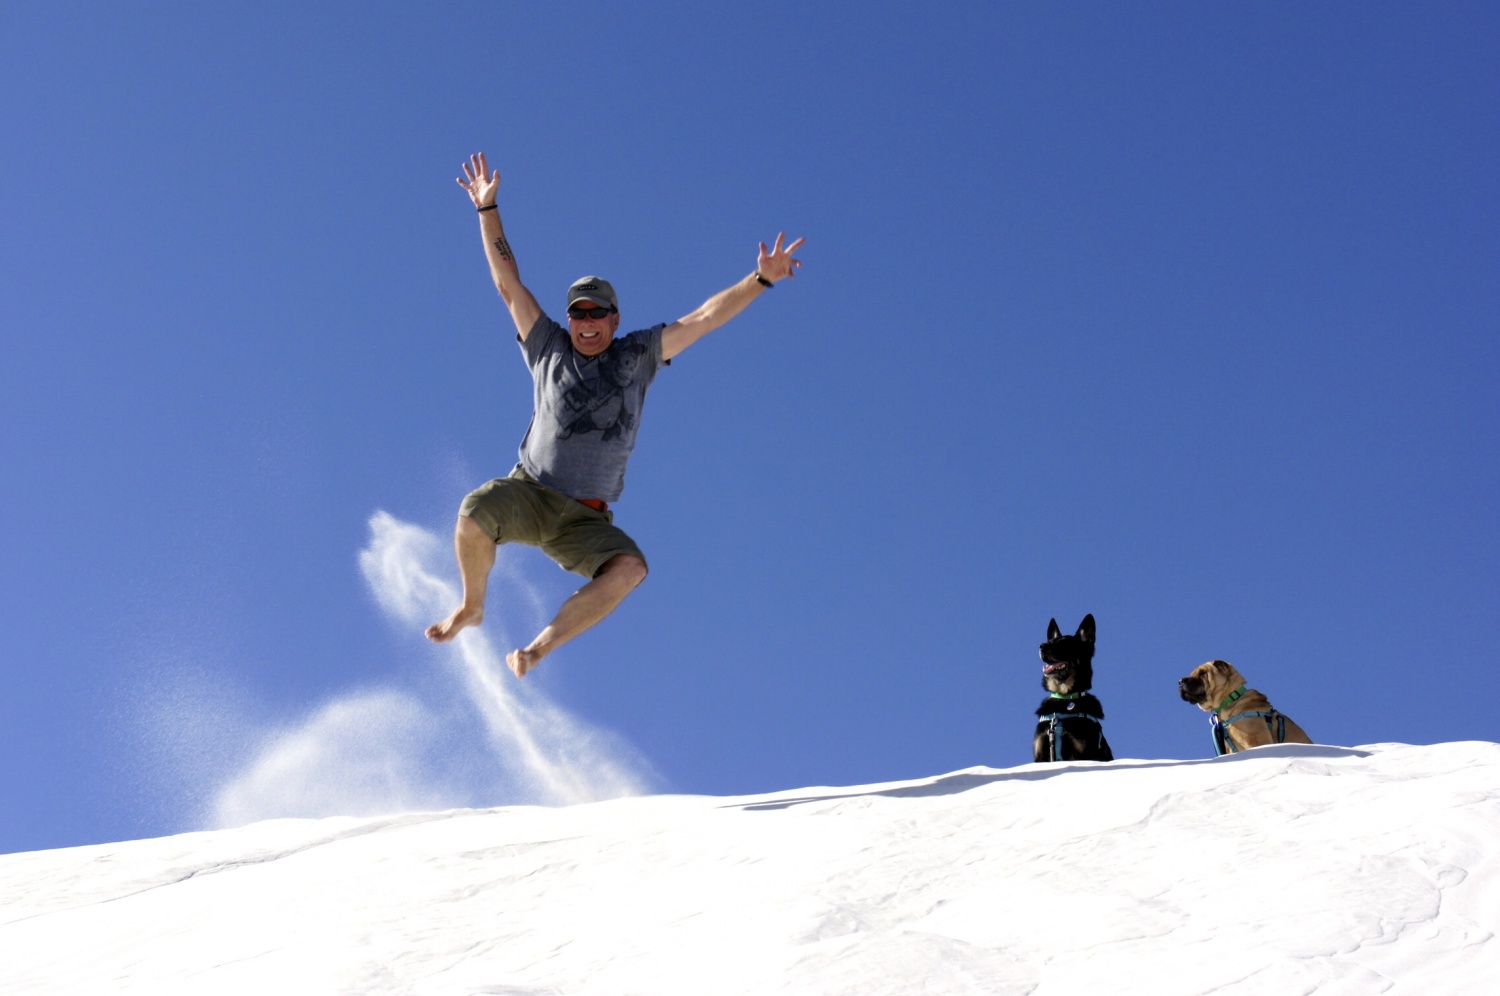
(1052, 667)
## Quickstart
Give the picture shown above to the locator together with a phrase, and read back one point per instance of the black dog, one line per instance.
(1070, 727)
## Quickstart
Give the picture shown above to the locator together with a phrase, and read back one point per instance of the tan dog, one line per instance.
(1242, 717)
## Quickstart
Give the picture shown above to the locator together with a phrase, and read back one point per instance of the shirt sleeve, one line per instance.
(539, 341)
(653, 345)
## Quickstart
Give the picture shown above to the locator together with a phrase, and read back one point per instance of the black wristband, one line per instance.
(490, 207)
(762, 280)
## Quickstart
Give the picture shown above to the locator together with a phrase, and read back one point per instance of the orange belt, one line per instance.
(597, 504)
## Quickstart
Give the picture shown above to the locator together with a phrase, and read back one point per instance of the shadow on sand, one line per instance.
(963, 781)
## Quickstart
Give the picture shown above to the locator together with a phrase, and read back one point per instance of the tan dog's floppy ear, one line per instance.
(1086, 629)
(1052, 631)
(1223, 667)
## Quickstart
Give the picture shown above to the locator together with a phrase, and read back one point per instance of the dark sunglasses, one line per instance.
(580, 313)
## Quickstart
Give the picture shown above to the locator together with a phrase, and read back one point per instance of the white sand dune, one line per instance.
(1291, 869)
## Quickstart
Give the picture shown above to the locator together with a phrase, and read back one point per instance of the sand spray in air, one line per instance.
(562, 759)
(384, 750)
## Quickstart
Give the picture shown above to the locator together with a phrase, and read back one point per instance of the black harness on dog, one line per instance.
(1055, 720)
(1275, 722)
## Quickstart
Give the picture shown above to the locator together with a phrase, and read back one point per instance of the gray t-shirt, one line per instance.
(586, 410)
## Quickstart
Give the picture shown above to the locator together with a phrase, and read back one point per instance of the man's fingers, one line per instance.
(781, 248)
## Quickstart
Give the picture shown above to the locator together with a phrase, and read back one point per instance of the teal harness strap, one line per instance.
(1054, 726)
(1222, 744)
(1275, 721)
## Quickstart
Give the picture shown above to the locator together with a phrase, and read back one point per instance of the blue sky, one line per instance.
(1179, 314)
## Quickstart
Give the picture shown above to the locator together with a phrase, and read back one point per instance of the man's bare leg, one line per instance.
(585, 607)
(476, 555)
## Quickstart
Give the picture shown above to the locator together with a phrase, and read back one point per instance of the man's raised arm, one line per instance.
(770, 266)
(482, 186)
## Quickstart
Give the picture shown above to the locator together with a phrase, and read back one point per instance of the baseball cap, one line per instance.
(595, 289)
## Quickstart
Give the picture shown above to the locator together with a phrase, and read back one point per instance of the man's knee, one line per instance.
(624, 567)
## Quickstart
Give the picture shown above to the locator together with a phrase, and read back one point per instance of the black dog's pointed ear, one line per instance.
(1052, 631)
(1086, 629)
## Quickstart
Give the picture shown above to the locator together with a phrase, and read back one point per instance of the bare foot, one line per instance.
(463, 617)
(521, 661)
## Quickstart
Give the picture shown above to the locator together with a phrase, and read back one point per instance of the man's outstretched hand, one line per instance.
(776, 263)
(483, 185)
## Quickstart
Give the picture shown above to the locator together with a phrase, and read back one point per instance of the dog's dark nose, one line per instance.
(1191, 690)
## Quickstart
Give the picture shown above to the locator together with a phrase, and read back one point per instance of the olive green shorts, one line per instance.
(519, 509)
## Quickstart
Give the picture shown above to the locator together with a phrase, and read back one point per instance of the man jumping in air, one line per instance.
(589, 389)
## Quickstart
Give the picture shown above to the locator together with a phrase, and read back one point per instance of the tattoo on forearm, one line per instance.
(503, 248)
